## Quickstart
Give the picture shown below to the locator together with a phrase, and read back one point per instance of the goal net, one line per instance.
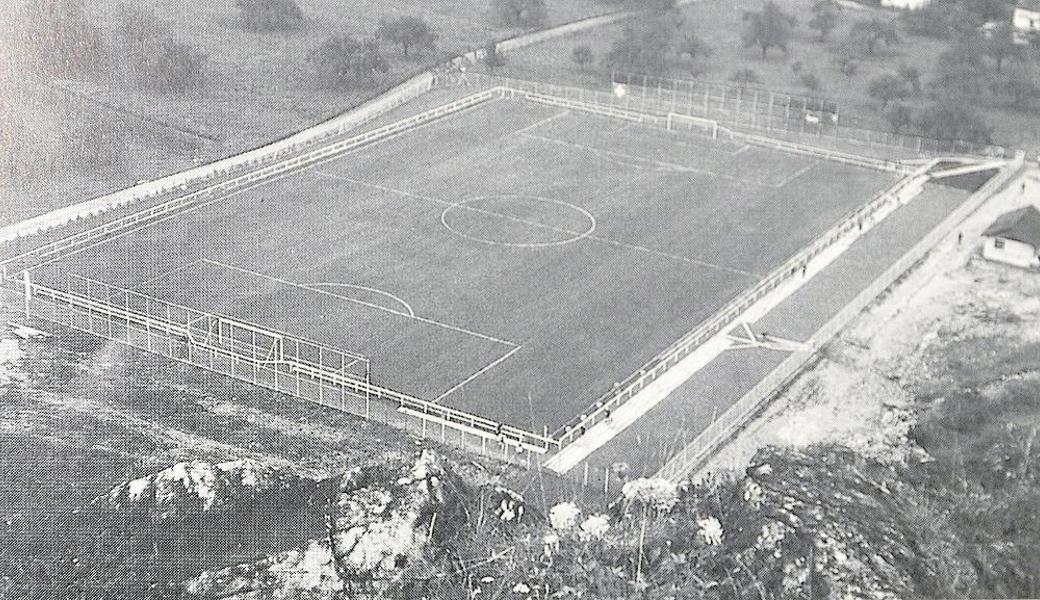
(680, 122)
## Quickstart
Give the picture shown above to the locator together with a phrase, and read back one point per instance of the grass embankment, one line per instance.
(257, 87)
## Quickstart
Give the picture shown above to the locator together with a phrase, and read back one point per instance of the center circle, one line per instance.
(518, 221)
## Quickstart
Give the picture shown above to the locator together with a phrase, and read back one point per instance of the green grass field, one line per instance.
(512, 261)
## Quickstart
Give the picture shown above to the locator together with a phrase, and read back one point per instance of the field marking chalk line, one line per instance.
(544, 121)
(614, 155)
(588, 235)
(384, 293)
(363, 303)
(485, 369)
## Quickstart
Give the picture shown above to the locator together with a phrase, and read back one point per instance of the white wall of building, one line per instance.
(1012, 253)
(1026, 21)
(908, 4)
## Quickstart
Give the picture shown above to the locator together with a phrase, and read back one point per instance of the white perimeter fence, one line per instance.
(257, 355)
(726, 316)
(604, 103)
(769, 110)
(688, 460)
(652, 113)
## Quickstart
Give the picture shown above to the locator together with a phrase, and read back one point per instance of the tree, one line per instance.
(61, 39)
(826, 15)
(644, 45)
(888, 87)
(769, 28)
(960, 73)
(999, 44)
(900, 117)
(950, 120)
(692, 47)
(745, 77)
(492, 57)
(912, 76)
(269, 15)
(582, 56)
(1020, 93)
(408, 32)
(871, 32)
(177, 66)
(989, 10)
(931, 20)
(520, 13)
(343, 61)
(846, 57)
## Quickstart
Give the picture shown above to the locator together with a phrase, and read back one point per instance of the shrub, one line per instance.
(745, 77)
(343, 61)
(949, 120)
(582, 56)
(520, 13)
(810, 81)
(269, 15)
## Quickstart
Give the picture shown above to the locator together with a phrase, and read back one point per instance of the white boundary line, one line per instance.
(486, 368)
(596, 238)
(362, 303)
(378, 291)
(267, 180)
(663, 165)
(796, 175)
(544, 121)
(138, 286)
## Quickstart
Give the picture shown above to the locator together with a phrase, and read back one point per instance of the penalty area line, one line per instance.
(362, 303)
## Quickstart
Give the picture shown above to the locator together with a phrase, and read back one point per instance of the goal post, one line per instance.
(682, 122)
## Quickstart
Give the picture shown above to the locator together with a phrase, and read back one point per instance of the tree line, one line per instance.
(984, 67)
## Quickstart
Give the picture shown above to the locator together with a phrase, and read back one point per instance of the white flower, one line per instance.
(710, 530)
(595, 527)
(564, 516)
(521, 588)
(659, 494)
(753, 493)
(550, 542)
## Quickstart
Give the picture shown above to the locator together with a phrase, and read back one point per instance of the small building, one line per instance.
(1026, 19)
(1014, 238)
(906, 4)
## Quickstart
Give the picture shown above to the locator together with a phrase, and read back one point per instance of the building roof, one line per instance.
(1033, 5)
(1022, 225)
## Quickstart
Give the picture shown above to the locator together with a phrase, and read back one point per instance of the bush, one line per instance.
(269, 15)
(582, 56)
(492, 57)
(949, 120)
(810, 81)
(178, 66)
(899, 117)
(745, 77)
(343, 61)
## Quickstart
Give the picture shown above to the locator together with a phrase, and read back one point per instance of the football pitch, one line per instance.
(512, 261)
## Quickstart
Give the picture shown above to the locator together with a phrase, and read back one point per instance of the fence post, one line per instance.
(28, 292)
